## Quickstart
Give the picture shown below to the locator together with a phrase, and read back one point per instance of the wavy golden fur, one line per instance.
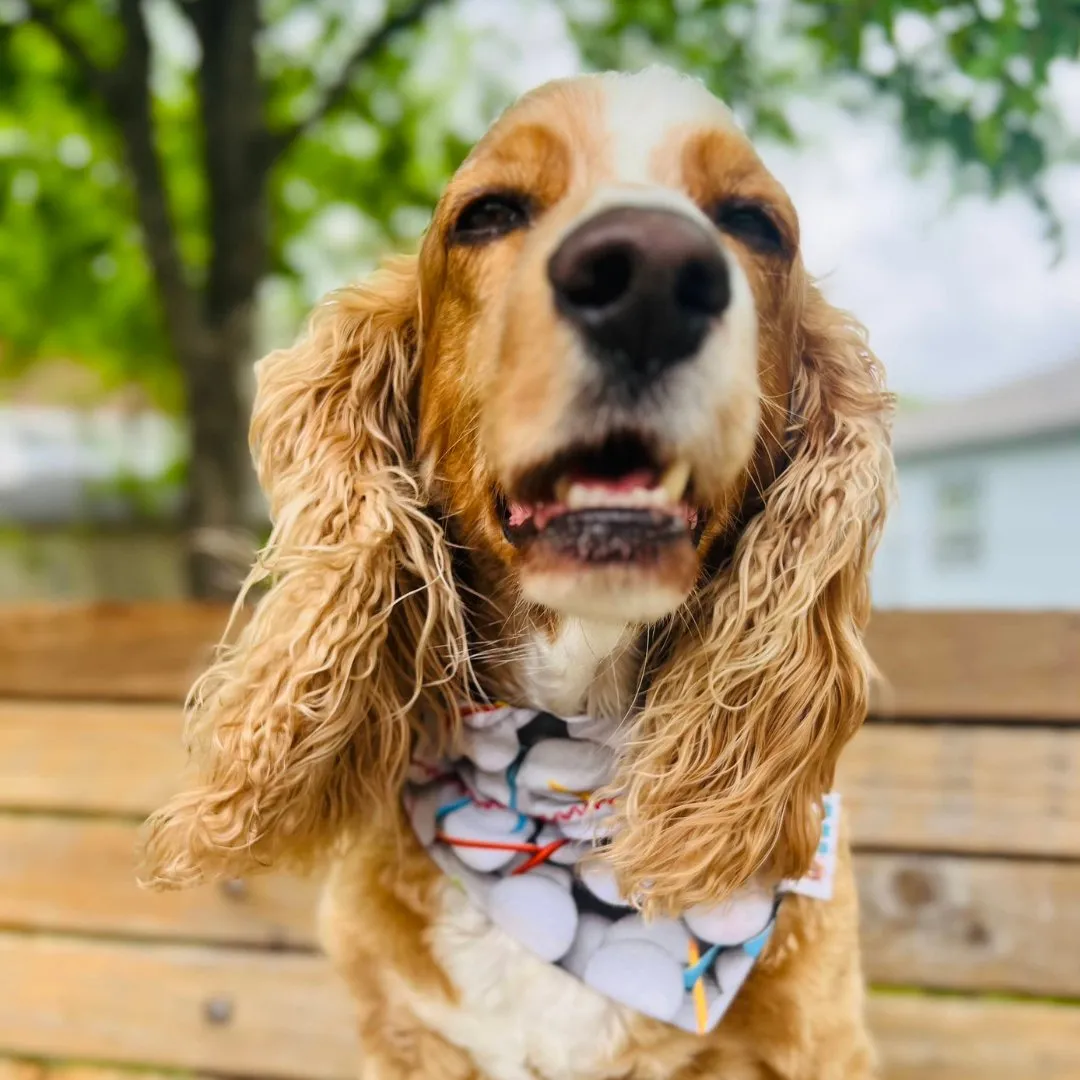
(769, 677)
(309, 718)
(379, 440)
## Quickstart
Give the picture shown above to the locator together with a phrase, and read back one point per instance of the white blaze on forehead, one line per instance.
(651, 197)
(641, 110)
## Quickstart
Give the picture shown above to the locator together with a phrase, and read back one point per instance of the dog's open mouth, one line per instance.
(617, 501)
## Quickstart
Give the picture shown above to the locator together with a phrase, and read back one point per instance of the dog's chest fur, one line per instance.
(517, 1016)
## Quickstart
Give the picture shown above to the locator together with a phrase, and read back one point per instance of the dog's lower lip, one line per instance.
(604, 534)
(612, 534)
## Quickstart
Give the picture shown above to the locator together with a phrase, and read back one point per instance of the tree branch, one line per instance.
(132, 109)
(195, 11)
(337, 91)
(98, 79)
(234, 127)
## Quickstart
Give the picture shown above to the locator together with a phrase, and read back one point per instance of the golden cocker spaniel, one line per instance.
(560, 637)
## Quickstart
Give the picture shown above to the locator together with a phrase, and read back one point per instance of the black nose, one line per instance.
(642, 286)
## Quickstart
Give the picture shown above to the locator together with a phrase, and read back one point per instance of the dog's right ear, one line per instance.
(308, 718)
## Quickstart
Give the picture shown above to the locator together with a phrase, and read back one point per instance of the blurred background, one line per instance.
(180, 180)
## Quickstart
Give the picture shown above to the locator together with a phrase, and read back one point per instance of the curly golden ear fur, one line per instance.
(740, 734)
(309, 717)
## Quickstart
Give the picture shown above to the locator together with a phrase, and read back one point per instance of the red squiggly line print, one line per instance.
(580, 810)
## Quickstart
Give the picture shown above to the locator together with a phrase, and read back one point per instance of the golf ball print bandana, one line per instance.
(511, 821)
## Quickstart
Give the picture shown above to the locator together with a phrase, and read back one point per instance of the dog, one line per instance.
(559, 634)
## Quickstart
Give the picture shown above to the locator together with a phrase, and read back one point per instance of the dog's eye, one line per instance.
(489, 217)
(750, 223)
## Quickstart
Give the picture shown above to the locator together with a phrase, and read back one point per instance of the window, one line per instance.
(958, 536)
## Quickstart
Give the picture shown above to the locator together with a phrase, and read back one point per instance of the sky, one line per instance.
(959, 294)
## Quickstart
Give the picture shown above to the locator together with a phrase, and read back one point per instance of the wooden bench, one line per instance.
(963, 792)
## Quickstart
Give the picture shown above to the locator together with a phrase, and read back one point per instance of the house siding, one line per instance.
(1028, 515)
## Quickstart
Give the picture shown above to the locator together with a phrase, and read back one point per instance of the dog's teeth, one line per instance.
(583, 496)
(675, 480)
(669, 492)
(577, 496)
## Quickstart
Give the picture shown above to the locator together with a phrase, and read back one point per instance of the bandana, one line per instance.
(511, 820)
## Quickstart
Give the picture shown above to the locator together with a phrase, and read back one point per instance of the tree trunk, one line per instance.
(217, 531)
(210, 324)
(211, 335)
(210, 330)
(220, 479)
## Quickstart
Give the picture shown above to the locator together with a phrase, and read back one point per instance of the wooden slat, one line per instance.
(120, 759)
(919, 1037)
(936, 1038)
(983, 664)
(943, 788)
(78, 876)
(219, 1010)
(960, 788)
(930, 921)
(992, 664)
(29, 1069)
(970, 923)
(112, 652)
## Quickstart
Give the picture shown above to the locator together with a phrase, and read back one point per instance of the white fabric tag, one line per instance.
(819, 882)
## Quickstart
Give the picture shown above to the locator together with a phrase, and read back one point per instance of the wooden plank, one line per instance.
(942, 1038)
(14, 1069)
(78, 876)
(970, 923)
(913, 787)
(930, 921)
(983, 664)
(918, 1037)
(964, 788)
(187, 1007)
(120, 759)
(27, 1069)
(113, 652)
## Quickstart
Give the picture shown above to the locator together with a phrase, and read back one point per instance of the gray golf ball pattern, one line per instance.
(511, 820)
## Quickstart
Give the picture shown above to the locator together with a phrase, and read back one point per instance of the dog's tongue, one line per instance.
(542, 513)
(631, 481)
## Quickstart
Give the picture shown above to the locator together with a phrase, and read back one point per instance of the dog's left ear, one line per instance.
(308, 719)
(768, 677)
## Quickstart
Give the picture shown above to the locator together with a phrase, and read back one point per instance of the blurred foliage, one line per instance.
(73, 275)
(73, 278)
(969, 76)
(142, 498)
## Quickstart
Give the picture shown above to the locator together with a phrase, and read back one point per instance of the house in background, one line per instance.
(988, 514)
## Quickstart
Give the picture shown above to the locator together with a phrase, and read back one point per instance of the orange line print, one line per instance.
(701, 1006)
(554, 785)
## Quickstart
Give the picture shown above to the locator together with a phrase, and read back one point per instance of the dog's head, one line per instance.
(596, 283)
(608, 380)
